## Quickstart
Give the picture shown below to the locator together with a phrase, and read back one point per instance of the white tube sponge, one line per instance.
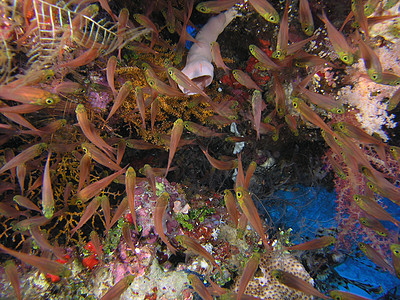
(198, 63)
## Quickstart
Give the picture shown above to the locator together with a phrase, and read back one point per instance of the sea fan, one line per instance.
(60, 25)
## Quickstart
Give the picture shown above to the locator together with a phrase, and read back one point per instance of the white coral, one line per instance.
(367, 96)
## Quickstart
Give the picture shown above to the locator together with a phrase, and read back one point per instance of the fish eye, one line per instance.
(339, 110)
(49, 101)
(396, 251)
(239, 194)
(272, 18)
(371, 186)
(374, 76)
(345, 58)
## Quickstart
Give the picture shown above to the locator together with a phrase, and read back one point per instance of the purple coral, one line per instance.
(99, 100)
(135, 261)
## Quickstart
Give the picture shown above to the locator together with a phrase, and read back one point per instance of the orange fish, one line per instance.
(326, 102)
(12, 274)
(342, 295)
(45, 265)
(91, 134)
(140, 105)
(310, 115)
(296, 283)
(121, 96)
(371, 61)
(263, 58)
(123, 19)
(29, 95)
(248, 273)
(257, 105)
(147, 170)
(280, 97)
(90, 209)
(283, 35)
(159, 212)
(105, 206)
(96, 187)
(357, 6)
(219, 164)
(200, 130)
(394, 100)
(185, 82)
(318, 243)
(245, 80)
(83, 59)
(176, 134)
(338, 41)
(375, 257)
(370, 206)
(130, 185)
(374, 224)
(217, 58)
(230, 204)
(249, 209)
(122, 207)
(266, 10)
(43, 242)
(25, 202)
(47, 191)
(117, 290)
(99, 156)
(395, 253)
(111, 67)
(84, 170)
(192, 245)
(305, 17)
(199, 287)
(215, 7)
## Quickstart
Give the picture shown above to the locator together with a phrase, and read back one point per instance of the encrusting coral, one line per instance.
(265, 286)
